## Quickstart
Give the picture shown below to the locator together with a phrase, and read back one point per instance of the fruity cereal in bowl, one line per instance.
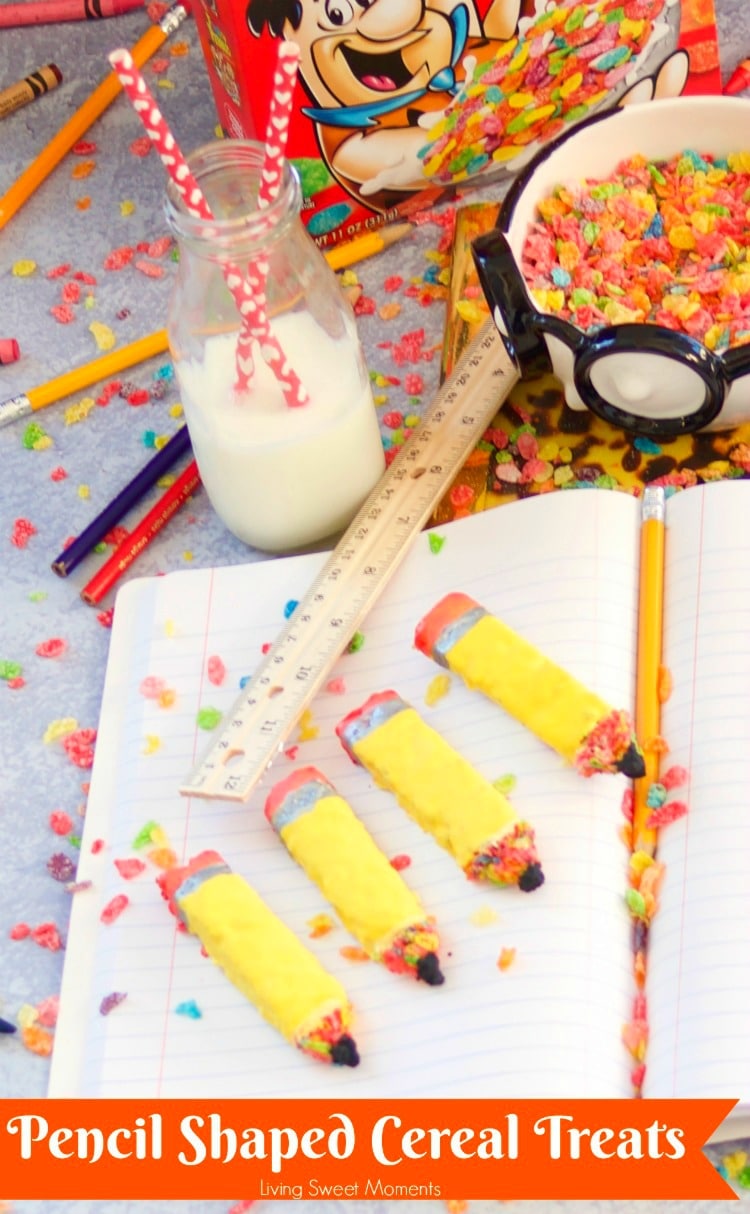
(621, 261)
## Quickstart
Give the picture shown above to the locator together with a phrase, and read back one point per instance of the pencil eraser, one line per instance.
(171, 879)
(290, 785)
(10, 351)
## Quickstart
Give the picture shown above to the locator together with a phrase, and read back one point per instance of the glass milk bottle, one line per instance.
(280, 477)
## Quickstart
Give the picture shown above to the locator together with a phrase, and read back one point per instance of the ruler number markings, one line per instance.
(346, 587)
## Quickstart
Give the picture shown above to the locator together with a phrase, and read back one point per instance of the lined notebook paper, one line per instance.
(562, 569)
(551, 1023)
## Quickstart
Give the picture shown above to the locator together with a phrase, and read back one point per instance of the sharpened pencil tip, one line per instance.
(344, 1052)
(632, 763)
(428, 970)
(531, 878)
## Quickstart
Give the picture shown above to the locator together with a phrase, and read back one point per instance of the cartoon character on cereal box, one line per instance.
(393, 83)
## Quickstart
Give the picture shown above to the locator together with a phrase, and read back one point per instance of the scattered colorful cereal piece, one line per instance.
(671, 811)
(436, 542)
(60, 728)
(61, 867)
(47, 936)
(10, 670)
(506, 958)
(53, 648)
(352, 952)
(110, 1002)
(130, 868)
(162, 857)
(483, 916)
(675, 777)
(37, 1040)
(437, 688)
(217, 671)
(63, 314)
(356, 643)
(114, 908)
(78, 411)
(23, 268)
(79, 747)
(400, 862)
(189, 1008)
(307, 731)
(23, 529)
(47, 1011)
(320, 925)
(208, 718)
(103, 335)
(61, 823)
(336, 687)
(140, 146)
(151, 687)
(34, 437)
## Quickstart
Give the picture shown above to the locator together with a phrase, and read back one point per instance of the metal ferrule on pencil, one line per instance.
(13, 408)
(173, 18)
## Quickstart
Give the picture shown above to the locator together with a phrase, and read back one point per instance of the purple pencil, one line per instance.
(149, 474)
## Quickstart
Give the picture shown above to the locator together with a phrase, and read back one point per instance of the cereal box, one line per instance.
(398, 101)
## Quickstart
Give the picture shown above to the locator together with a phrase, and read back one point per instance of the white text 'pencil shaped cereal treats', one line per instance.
(442, 792)
(262, 957)
(323, 834)
(590, 734)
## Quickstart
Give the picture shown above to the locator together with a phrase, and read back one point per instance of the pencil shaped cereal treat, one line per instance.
(442, 792)
(591, 735)
(262, 957)
(322, 833)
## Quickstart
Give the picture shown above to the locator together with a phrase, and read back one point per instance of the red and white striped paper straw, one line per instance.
(277, 134)
(279, 117)
(248, 290)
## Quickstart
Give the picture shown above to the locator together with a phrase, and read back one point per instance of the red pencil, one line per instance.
(50, 12)
(149, 527)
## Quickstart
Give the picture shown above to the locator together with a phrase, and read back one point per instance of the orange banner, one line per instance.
(359, 1149)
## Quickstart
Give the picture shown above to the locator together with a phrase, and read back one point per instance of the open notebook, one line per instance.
(563, 569)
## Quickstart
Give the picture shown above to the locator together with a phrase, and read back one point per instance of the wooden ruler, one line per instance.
(355, 574)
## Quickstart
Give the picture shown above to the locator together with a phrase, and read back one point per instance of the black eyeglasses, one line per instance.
(641, 377)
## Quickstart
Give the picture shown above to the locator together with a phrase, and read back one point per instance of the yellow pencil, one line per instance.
(85, 116)
(650, 621)
(81, 377)
(366, 246)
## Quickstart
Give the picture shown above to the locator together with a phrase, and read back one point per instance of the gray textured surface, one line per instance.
(101, 453)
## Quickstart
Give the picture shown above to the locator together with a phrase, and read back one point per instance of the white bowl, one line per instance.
(642, 377)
